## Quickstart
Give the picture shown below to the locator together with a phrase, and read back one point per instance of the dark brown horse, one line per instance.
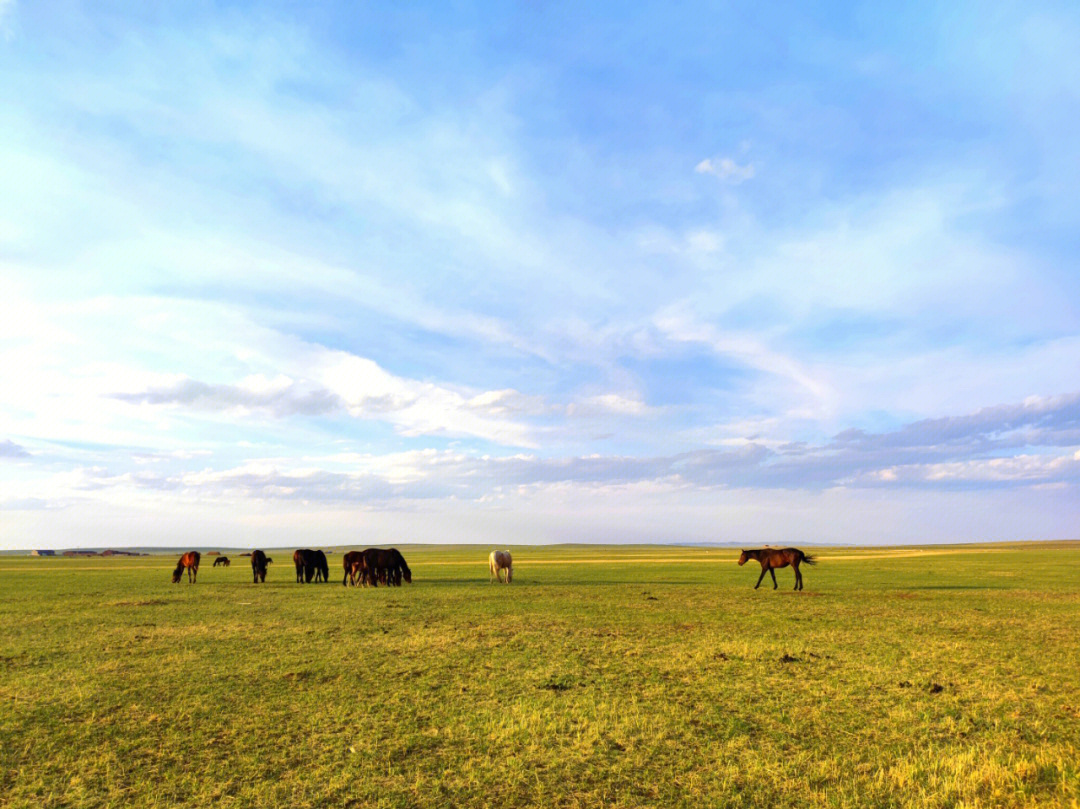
(321, 566)
(386, 566)
(222, 560)
(772, 558)
(259, 561)
(400, 568)
(379, 563)
(310, 564)
(299, 560)
(190, 561)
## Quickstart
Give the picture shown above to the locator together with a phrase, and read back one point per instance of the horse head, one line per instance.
(743, 557)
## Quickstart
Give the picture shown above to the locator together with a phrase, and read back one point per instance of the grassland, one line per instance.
(601, 677)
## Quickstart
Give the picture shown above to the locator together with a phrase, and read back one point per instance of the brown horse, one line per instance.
(222, 560)
(355, 570)
(299, 559)
(189, 561)
(772, 558)
(259, 561)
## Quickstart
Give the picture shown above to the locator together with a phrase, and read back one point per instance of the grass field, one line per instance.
(603, 676)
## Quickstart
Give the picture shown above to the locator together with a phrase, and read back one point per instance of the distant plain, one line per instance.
(603, 676)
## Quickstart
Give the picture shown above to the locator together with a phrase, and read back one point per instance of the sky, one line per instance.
(513, 273)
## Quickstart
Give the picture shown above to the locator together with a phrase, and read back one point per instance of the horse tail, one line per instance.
(808, 559)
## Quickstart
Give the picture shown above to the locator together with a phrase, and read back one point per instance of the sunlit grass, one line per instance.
(601, 677)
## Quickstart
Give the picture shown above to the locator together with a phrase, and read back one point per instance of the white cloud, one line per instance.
(608, 404)
(1018, 469)
(725, 168)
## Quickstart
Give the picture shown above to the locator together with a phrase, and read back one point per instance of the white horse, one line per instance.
(498, 561)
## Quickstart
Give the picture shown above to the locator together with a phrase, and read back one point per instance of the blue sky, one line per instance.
(538, 273)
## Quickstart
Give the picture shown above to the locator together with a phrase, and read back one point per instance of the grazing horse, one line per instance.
(401, 570)
(189, 561)
(378, 564)
(772, 558)
(310, 564)
(259, 561)
(222, 560)
(320, 565)
(386, 565)
(300, 560)
(499, 561)
(355, 570)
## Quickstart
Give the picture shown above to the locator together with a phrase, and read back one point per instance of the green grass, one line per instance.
(655, 677)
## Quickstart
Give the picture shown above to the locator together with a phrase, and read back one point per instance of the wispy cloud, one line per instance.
(725, 168)
(280, 397)
(9, 449)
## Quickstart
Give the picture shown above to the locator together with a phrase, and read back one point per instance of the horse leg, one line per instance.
(762, 576)
(773, 574)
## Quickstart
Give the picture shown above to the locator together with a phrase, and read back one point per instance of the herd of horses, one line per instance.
(376, 566)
